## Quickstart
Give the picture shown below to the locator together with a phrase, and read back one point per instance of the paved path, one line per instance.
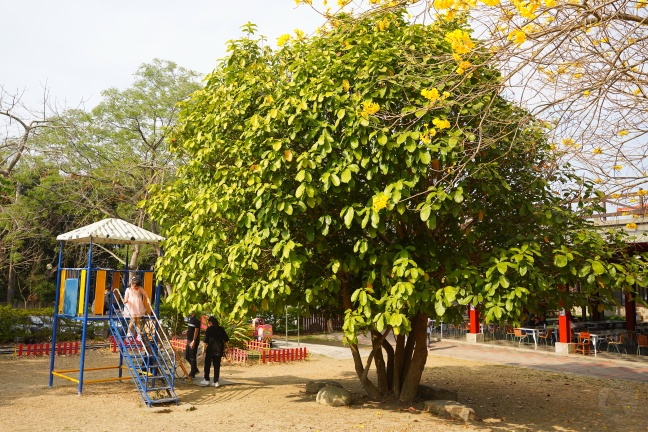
(520, 357)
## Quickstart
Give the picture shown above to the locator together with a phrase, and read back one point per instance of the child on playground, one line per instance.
(134, 301)
(216, 343)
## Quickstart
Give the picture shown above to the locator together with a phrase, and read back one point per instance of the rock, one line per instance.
(451, 409)
(425, 392)
(185, 407)
(333, 396)
(313, 387)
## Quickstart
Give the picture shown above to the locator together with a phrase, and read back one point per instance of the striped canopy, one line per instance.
(113, 231)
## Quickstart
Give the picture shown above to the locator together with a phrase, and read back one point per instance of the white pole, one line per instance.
(286, 325)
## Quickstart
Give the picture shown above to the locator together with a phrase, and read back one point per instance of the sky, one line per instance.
(77, 48)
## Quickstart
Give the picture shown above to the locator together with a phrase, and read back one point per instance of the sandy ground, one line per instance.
(272, 398)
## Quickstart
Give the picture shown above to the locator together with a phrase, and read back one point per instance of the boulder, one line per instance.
(313, 387)
(333, 396)
(425, 392)
(451, 409)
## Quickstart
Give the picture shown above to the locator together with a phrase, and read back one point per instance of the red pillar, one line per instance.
(564, 327)
(474, 320)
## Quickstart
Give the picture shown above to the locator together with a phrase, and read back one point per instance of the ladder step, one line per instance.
(165, 400)
(149, 389)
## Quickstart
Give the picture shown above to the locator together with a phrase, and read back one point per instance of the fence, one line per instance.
(320, 323)
(40, 349)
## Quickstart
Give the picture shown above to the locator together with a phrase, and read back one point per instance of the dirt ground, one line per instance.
(271, 397)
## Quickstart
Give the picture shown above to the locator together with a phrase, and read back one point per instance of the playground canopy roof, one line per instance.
(112, 231)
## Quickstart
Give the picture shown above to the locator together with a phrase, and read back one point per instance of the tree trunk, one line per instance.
(416, 363)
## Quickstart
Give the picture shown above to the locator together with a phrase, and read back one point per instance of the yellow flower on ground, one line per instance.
(441, 123)
(623, 132)
(380, 201)
(281, 40)
(631, 226)
(370, 108)
(597, 150)
(517, 36)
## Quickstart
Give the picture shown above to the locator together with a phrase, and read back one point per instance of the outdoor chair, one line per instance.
(618, 344)
(520, 335)
(509, 332)
(584, 344)
(547, 336)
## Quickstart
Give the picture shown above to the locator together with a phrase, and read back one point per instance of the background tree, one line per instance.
(367, 168)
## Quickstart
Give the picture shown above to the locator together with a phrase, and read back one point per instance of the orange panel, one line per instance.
(148, 286)
(100, 286)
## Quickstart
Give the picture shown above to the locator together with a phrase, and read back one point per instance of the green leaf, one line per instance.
(345, 177)
(348, 217)
(425, 212)
(502, 267)
(560, 260)
(598, 268)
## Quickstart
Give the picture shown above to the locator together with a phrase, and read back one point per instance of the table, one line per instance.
(599, 336)
(534, 332)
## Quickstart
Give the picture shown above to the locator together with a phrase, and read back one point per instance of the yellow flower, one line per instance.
(370, 108)
(441, 123)
(636, 91)
(517, 36)
(568, 142)
(552, 146)
(631, 226)
(445, 95)
(431, 95)
(443, 4)
(491, 2)
(380, 201)
(597, 150)
(616, 195)
(586, 93)
(383, 24)
(598, 180)
(578, 75)
(300, 34)
(642, 192)
(460, 41)
(346, 85)
(281, 40)
(343, 3)
(550, 3)
(623, 132)
(641, 4)
(617, 167)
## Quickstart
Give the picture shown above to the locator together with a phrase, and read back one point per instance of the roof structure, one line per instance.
(111, 231)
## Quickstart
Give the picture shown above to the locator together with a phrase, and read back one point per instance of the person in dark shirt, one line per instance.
(193, 340)
(216, 344)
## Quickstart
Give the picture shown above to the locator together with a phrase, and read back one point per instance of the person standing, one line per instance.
(216, 343)
(135, 300)
(193, 340)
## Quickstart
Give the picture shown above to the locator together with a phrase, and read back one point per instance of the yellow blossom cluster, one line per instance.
(597, 150)
(427, 135)
(617, 167)
(283, 39)
(379, 201)
(642, 192)
(383, 24)
(463, 65)
(441, 123)
(346, 85)
(517, 36)
(369, 108)
(569, 142)
(460, 41)
(431, 95)
(623, 133)
(631, 226)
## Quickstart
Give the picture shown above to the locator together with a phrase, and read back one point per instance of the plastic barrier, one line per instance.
(62, 348)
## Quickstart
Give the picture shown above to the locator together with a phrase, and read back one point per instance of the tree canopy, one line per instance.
(366, 168)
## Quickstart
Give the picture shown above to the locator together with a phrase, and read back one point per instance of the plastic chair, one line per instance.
(618, 344)
(509, 332)
(584, 344)
(519, 335)
(547, 336)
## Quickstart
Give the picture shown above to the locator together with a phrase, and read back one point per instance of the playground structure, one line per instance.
(147, 354)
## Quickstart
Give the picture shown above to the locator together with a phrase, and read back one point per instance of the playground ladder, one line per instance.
(148, 355)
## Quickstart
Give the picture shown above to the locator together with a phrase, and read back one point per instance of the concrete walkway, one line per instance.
(601, 367)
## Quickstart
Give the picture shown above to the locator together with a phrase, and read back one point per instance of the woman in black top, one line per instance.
(216, 343)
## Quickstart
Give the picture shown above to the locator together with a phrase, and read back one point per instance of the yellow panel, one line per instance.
(82, 289)
(62, 293)
(148, 286)
(100, 287)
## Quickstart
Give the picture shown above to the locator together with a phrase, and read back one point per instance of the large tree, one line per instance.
(366, 168)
